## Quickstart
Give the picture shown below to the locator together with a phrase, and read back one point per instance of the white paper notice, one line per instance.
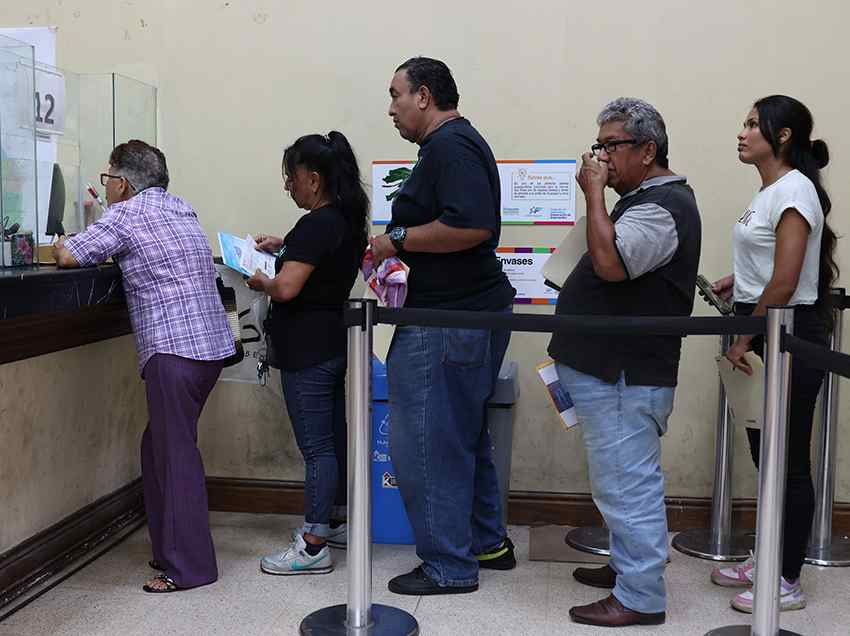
(524, 268)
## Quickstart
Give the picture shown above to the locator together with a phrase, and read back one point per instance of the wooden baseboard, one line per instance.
(524, 508)
(39, 563)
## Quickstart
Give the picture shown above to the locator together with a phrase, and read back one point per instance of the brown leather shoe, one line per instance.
(603, 577)
(609, 612)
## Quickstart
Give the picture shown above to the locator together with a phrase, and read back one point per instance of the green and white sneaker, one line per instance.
(296, 560)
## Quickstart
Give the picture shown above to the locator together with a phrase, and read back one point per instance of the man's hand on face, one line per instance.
(593, 175)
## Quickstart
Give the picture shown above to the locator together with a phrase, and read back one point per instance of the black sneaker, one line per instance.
(500, 558)
(417, 583)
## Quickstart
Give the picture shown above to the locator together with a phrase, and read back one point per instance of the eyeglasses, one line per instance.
(611, 146)
(104, 177)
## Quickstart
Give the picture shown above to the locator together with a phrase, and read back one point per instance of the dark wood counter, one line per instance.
(47, 309)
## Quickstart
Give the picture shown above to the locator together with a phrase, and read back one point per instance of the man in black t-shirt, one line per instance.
(445, 225)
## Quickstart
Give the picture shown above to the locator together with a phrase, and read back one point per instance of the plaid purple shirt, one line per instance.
(168, 275)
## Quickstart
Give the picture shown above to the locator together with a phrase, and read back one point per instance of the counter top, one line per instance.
(48, 309)
(47, 289)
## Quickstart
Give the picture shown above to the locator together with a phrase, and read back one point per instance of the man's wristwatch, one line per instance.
(397, 236)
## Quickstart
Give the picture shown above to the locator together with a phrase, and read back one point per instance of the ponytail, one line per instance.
(332, 157)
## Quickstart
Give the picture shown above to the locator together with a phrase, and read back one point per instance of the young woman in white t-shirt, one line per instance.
(783, 255)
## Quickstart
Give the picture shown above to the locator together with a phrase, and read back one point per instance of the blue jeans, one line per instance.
(315, 400)
(622, 428)
(439, 382)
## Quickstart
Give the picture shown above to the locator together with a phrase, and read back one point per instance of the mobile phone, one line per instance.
(705, 290)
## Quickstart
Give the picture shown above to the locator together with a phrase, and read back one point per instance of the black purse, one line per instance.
(228, 301)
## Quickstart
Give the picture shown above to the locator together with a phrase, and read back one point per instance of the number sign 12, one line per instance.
(47, 98)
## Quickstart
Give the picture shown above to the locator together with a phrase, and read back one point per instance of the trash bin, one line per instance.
(389, 519)
(500, 418)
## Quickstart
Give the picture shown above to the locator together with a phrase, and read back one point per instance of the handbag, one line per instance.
(228, 301)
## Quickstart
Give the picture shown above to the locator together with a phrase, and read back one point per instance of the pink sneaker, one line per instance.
(790, 597)
(738, 575)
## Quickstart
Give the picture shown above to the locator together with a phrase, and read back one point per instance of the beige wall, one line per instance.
(240, 80)
(70, 425)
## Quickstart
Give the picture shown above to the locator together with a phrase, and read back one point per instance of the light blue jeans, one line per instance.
(622, 428)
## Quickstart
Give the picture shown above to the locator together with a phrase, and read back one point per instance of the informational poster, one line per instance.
(387, 179)
(523, 267)
(538, 192)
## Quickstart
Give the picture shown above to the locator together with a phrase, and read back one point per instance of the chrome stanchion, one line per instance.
(591, 539)
(771, 494)
(719, 542)
(824, 549)
(359, 617)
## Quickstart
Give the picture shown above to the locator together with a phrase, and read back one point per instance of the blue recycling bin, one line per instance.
(389, 520)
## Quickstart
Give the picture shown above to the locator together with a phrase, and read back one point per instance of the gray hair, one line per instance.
(141, 164)
(641, 121)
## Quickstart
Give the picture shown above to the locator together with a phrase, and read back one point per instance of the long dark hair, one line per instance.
(809, 157)
(332, 157)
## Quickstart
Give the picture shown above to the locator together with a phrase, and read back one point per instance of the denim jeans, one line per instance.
(439, 384)
(622, 428)
(315, 400)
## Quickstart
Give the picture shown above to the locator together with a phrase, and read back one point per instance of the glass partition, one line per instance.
(58, 129)
(18, 168)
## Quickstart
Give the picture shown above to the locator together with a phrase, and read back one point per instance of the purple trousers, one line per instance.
(172, 469)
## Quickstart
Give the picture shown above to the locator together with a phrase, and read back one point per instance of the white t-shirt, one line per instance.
(754, 239)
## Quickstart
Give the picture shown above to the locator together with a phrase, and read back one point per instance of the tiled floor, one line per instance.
(105, 597)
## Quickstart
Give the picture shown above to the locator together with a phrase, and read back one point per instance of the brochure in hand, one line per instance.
(241, 255)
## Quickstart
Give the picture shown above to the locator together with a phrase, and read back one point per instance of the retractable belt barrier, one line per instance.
(361, 617)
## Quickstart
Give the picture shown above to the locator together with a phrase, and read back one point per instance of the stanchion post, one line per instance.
(359, 617)
(771, 492)
(824, 549)
(718, 542)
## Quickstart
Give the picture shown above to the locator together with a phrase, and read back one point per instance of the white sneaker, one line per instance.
(738, 575)
(296, 560)
(791, 597)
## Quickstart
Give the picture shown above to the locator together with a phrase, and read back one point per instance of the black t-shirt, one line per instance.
(309, 329)
(455, 180)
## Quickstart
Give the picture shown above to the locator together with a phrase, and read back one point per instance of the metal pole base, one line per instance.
(590, 539)
(386, 621)
(699, 543)
(743, 630)
(837, 554)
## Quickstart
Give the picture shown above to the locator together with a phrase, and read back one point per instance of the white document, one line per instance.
(241, 255)
(558, 395)
(744, 393)
(253, 259)
(564, 259)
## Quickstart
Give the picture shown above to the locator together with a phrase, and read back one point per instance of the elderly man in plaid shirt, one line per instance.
(182, 338)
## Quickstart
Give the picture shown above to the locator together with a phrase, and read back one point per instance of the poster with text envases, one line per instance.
(538, 192)
(523, 267)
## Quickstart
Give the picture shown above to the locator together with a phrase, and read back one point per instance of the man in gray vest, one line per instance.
(641, 261)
